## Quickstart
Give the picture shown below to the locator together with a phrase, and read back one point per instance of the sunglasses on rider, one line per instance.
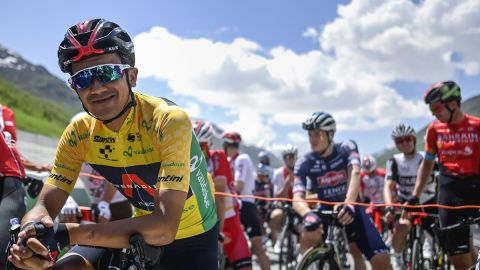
(401, 140)
(436, 108)
(103, 73)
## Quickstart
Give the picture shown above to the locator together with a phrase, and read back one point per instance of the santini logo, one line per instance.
(103, 139)
(170, 178)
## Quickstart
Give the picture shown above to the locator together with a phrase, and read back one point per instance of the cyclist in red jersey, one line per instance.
(235, 242)
(454, 138)
(372, 180)
(12, 171)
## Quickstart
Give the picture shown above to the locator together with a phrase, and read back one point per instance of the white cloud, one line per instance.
(193, 109)
(311, 33)
(370, 45)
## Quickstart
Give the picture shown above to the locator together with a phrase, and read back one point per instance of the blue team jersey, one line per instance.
(326, 176)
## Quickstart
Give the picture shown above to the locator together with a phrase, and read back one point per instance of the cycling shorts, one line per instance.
(363, 233)
(250, 219)
(455, 192)
(237, 250)
(198, 252)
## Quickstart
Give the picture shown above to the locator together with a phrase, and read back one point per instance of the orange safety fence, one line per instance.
(329, 203)
(352, 203)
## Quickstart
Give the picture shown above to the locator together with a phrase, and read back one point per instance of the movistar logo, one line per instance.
(101, 139)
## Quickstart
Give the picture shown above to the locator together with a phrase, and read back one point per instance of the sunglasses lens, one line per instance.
(103, 73)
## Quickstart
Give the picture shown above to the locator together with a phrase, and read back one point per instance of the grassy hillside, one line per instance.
(33, 114)
(470, 106)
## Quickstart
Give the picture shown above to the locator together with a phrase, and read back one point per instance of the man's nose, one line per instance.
(96, 85)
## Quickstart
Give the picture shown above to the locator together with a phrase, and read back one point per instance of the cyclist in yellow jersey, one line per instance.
(143, 145)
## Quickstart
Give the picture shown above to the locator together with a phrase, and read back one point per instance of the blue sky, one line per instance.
(261, 67)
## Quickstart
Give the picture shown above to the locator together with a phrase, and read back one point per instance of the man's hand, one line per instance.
(311, 221)
(102, 212)
(70, 212)
(29, 252)
(412, 200)
(389, 214)
(346, 214)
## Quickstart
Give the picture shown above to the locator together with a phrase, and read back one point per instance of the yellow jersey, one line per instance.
(155, 149)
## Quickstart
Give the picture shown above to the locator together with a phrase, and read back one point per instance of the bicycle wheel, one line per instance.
(417, 255)
(287, 256)
(318, 259)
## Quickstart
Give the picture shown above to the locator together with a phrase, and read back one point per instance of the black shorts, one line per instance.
(250, 219)
(456, 192)
(196, 252)
(12, 205)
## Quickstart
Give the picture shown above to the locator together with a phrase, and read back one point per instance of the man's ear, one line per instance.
(132, 76)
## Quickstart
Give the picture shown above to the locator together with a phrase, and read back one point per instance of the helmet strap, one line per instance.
(130, 104)
(451, 111)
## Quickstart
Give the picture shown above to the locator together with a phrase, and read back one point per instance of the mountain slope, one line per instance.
(34, 114)
(470, 106)
(36, 80)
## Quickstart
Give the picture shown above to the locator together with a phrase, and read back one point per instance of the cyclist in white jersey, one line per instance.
(282, 188)
(401, 174)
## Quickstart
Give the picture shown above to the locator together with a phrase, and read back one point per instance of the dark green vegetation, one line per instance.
(34, 114)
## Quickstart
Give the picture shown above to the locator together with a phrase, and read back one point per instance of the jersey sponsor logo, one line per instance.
(170, 178)
(63, 166)
(101, 139)
(188, 208)
(73, 138)
(458, 138)
(159, 133)
(61, 178)
(332, 178)
(132, 137)
(195, 162)
(131, 181)
(106, 151)
(147, 124)
(173, 164)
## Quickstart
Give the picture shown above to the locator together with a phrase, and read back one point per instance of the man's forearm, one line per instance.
(424, 172)
(353, 185)
(300, 206)
(115, 234)
(158, 228)
(387, 191)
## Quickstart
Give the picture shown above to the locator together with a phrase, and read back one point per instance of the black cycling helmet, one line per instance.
(94, 37)
(443, 92)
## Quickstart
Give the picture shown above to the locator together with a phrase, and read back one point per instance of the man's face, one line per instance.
(440, 112)
(229, 149)
(105, 101)
(318, 140)
(290, 160)
(405, 144)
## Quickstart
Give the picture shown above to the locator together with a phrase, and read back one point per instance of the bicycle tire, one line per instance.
(323, 257)
(287, 257)
(417, 255)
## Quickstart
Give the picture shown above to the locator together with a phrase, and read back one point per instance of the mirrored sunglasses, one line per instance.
(103, 73)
